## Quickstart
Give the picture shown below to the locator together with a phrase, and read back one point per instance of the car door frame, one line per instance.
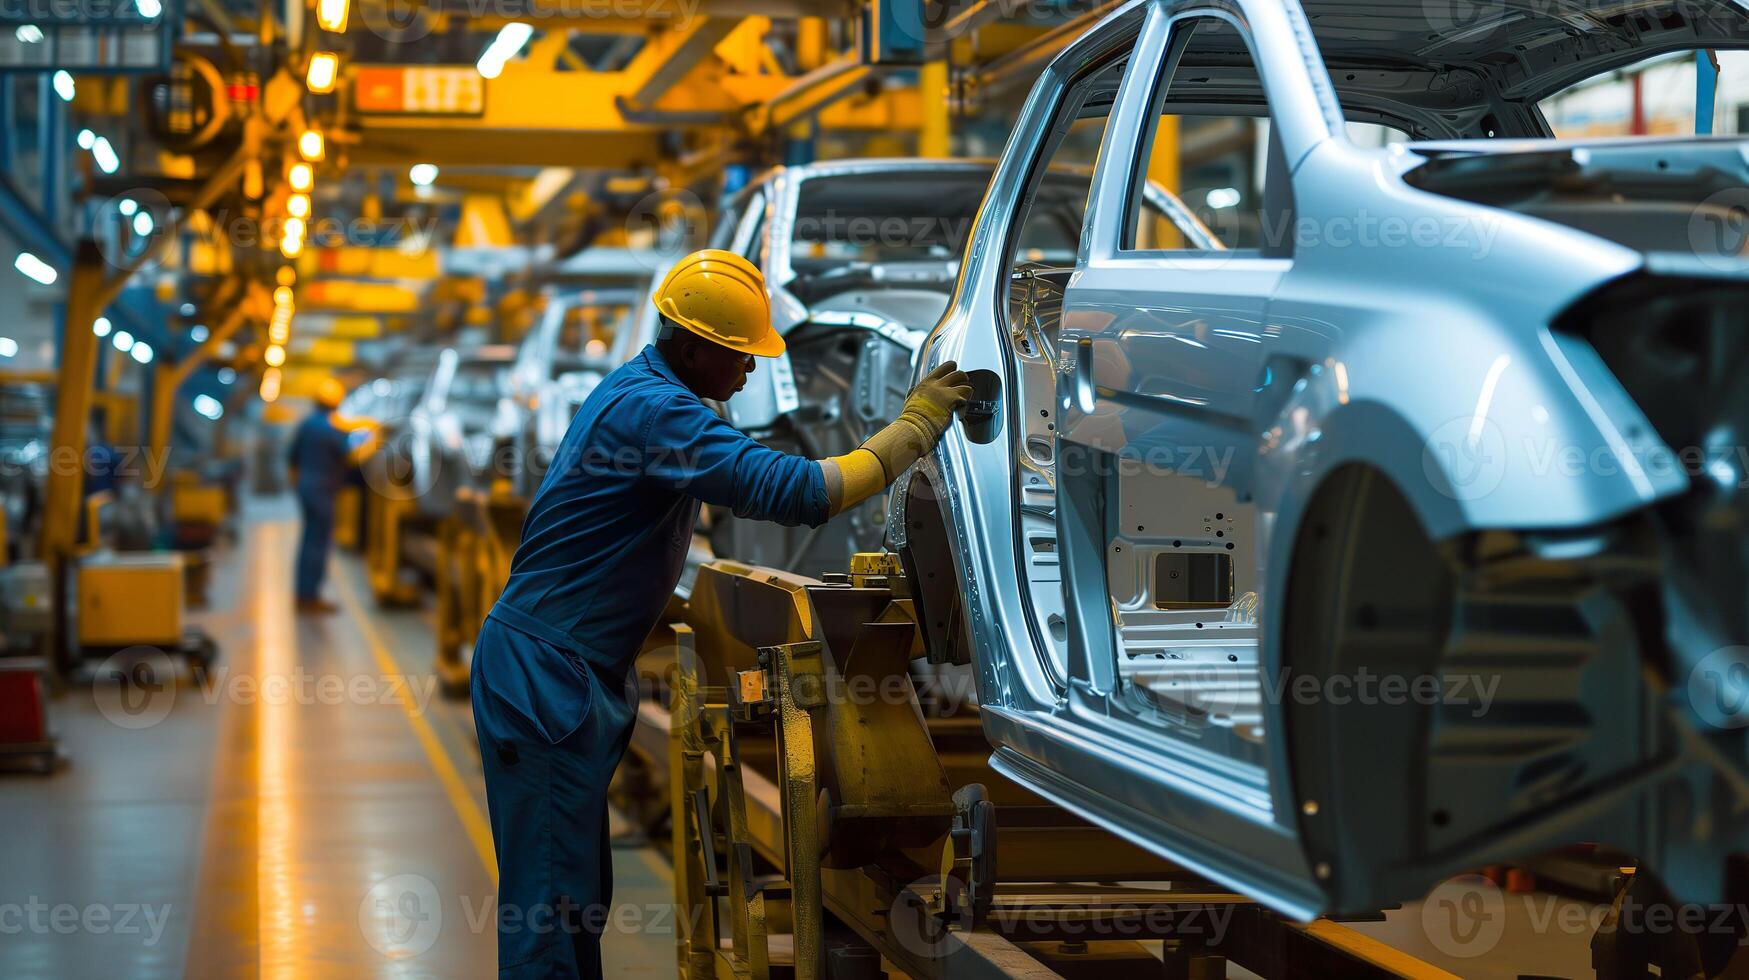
(1116, 780)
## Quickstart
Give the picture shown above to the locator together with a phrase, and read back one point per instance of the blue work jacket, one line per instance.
(319, 450)
(606, 536)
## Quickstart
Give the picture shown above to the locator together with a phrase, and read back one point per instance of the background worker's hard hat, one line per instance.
(721, 297)
(330, 393)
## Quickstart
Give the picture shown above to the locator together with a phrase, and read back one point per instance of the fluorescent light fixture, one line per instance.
(331, 15)
(186, 309)
(143, 225)
(29, 34)
(128, 207)
(208, 407)
(301, 177)
(291, 248)
(311, 146)
(324, 70)
(101, 326)
(87, 139)
(227, 376)
(199, 333)
(142, 352)
(105, 156)
(35, 268)
(8, 347)
(123, 341)
(505, 46)
(295, 228)
(1222, 197)
(274, 356)
(298, 205)
(422, 174)
(149, 8)
(65, 87)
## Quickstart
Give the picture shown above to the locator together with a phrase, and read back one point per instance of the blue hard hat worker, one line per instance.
(325, 450)
(602, 548)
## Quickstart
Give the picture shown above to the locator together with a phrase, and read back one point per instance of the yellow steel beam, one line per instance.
(256, 304)
(808, 95)
(933, 138)
(670, 56)
(73, 396)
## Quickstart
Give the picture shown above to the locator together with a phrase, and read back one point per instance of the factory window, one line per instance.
(1209, 144)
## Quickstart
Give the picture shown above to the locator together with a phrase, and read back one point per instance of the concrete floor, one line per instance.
(317, 812)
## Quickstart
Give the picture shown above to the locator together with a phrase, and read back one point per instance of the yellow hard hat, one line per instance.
(721, 297)
(330, 392)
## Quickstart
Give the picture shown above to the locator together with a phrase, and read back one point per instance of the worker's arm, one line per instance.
(874, 465)
(689, 448)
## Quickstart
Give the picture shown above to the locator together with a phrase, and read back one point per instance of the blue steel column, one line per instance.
(1706, 90)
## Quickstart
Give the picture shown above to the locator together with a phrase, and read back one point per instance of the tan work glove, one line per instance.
(865, 471)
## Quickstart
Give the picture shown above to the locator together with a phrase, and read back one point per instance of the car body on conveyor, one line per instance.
(860, 257)
(582, 334)
(458, 423)
(1211, 500)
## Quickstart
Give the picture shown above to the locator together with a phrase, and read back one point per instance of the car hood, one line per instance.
(1669, 197)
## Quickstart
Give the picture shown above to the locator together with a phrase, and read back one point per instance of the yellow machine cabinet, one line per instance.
(128, 599)
(198, 503)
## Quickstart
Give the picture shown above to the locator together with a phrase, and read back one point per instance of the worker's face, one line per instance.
(714, 371)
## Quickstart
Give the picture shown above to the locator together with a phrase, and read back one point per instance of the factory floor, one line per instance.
(318, 811)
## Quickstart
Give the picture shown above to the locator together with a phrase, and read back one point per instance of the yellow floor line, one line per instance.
(472, 817)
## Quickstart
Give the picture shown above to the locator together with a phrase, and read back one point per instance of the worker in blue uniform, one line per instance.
(325, 449)
(602, 548)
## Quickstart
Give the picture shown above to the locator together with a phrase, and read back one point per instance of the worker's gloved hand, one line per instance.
(938, 396)
(856, 476)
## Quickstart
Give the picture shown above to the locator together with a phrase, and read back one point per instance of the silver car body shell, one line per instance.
(1368, 397)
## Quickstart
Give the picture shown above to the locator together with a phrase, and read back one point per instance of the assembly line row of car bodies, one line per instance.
(1206, 465)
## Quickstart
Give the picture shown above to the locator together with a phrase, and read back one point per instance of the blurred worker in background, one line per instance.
(325, 449)
(602, 549)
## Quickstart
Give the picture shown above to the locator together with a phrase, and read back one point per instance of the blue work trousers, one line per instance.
(314, 544)
(552, 728)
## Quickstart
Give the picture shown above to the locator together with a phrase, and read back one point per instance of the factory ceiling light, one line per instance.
(275, 355)
(105, 155)
(101, 326)
(311, 145)
(509, 41)
(422, 174)
(35, 268)
(324, 71)
(298, 205)
(331, 14)
(65, 86)
(301, 177)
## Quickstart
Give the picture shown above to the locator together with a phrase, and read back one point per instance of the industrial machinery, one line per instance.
(822, 823)
(1204, 498)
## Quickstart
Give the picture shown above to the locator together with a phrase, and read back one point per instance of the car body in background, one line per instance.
(860, 257)
(457, 424)
(1218, 490)
(584, 332)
